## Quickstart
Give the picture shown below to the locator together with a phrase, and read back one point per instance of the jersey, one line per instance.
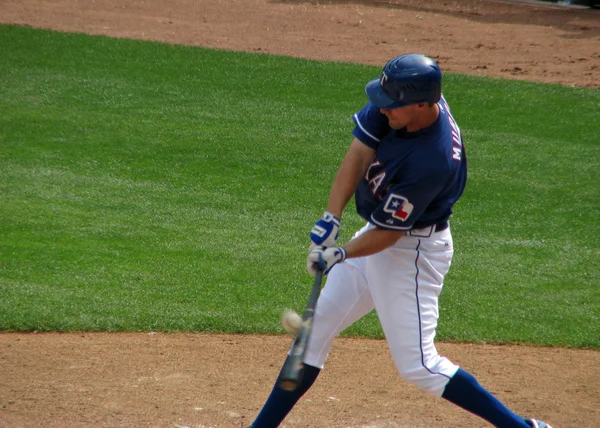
(415, 178)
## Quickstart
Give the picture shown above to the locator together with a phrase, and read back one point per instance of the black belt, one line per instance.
(427, 231)
(441, 226)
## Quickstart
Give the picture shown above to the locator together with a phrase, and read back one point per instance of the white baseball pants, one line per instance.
(402, 283)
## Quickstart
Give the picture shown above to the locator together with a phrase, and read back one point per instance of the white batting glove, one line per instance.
(326, 230)
(324, 258)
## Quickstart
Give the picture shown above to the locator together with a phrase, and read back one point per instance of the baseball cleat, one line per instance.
(534, 423)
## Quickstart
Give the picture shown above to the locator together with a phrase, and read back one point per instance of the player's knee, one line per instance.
(430, 379)
(423, 379)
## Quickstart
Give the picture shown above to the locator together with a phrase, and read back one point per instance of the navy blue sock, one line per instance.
(281, 402)
(464, 391)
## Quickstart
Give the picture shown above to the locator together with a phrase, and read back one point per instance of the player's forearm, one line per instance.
(348, 176)
(343, 187)
(371, 242)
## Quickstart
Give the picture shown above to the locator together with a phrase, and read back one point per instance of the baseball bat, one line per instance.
(293, 368)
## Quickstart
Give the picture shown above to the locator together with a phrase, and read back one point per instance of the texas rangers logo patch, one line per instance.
(398, 206)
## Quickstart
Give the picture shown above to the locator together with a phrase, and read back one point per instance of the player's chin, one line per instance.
(396, 125)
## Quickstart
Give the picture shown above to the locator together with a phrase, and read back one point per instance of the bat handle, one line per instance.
(314, 295)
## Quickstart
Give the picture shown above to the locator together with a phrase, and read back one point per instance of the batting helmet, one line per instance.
(405, 80)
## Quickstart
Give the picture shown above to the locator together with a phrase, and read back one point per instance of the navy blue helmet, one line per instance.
(405, 80)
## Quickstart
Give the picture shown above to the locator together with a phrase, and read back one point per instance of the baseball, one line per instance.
(291, 321)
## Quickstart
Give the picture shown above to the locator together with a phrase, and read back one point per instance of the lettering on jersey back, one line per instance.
(455, 132)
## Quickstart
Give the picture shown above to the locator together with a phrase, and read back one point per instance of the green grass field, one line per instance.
(147, 186)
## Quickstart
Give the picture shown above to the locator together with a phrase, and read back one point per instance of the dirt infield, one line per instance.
(198, 380)
(501, 39)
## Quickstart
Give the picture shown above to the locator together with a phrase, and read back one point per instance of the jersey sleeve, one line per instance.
(371, 125)
(404, 203)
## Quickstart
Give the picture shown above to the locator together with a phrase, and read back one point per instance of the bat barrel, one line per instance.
(293, 368)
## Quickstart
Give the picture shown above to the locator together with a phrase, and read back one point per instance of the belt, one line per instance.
(441, 226)
(425, 232)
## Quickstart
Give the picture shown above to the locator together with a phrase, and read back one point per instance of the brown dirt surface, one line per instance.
(524, 40)
(199, 380)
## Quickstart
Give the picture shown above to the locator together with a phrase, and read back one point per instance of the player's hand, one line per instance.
(325, 258)
(325, 232)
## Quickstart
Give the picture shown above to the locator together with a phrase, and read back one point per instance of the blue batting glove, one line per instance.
(325, 232)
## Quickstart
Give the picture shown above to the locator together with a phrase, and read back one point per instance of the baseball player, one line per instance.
(406, 168)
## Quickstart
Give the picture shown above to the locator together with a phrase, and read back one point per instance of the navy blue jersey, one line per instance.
(415, 177)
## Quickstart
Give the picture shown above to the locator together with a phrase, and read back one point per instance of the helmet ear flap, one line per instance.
(436, 93)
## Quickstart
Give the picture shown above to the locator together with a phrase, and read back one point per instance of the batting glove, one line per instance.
(325, 258)
(325, 232)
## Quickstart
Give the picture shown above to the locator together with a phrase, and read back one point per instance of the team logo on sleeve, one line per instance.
(398, 206)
